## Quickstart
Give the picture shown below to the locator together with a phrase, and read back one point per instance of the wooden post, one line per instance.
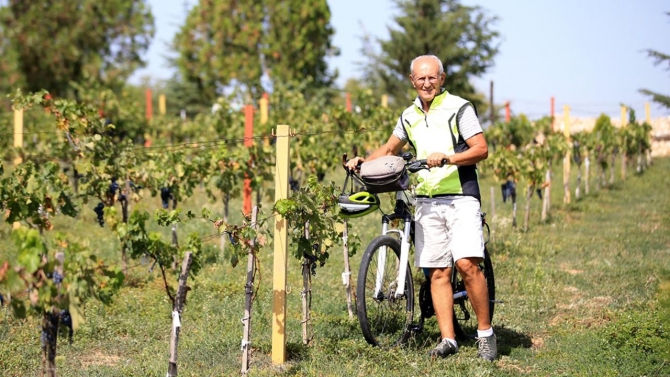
(18, 133)
(175, 243)
(148, 98)
(161, 104)
(508, 112)
(306, 294)
(566, 160)
(493, 213)
(385, 100)
(624, 112)
(546, 198)
(346, 275)
(248, 141)
(280, 250)
(624, 155)
(587, 172)
(347, 99)
(176, 313)
(647, 112)
(553, 112)
(264, 103)
(248, 293)
(492, 112)
(647, 117)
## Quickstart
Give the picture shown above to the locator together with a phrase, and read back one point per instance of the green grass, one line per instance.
(587, 294)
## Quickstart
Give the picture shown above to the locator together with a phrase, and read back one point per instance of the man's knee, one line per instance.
(468, 266)
(440, 274)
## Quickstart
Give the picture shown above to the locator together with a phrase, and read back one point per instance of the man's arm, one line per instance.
(477, 151)
(391, 148)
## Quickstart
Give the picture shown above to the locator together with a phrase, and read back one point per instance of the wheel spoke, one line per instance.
(384, 318)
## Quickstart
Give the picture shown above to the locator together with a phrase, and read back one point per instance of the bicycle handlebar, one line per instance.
(415, 166)
(412, 166)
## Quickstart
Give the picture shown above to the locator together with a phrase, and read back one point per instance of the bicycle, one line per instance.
(385, 291)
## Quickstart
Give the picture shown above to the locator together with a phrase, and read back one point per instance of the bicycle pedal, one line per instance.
(415, 328)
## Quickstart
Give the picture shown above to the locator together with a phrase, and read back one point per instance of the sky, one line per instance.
(587, 54)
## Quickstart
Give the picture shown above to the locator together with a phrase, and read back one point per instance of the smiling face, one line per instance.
(427, 79)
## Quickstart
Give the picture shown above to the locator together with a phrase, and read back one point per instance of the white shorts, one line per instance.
(447, 229)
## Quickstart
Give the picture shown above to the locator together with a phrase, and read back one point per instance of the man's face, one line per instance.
(426, 79)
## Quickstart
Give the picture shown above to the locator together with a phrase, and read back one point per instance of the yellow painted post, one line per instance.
(566, 161)
(161, 104)
(18, 133)
(264, 109)
(264, 104)
(385, 100)
(624, 156)
(647, 112)
(281, 250)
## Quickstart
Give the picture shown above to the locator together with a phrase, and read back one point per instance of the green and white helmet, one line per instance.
(357, 204)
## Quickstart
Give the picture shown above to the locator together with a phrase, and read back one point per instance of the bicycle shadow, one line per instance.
(509, 339)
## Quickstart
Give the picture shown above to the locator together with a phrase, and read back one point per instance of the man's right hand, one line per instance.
(354, 163)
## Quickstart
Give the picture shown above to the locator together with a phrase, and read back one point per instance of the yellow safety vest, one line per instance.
(437, 131)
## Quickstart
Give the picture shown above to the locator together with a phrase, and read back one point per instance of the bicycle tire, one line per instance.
(384, 319)
(465, 319)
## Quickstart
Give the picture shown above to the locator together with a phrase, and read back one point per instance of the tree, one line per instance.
(295, 53)
(659, 58)
(56, 42)
(9, 68)
(224, 44)
(461, 36)
(219, 45)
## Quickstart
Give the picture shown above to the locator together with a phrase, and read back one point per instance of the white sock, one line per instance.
(485, 333)
(452, 341)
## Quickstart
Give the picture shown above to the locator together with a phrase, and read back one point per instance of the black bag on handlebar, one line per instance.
(385, 174)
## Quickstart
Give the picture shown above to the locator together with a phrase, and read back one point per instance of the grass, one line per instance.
(587, 293)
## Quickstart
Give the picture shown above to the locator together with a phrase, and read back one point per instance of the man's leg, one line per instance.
(443, 300)
(475, 285)
(443, 303)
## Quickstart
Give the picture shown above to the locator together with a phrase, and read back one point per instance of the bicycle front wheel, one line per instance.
(384, 316)
(465, 318)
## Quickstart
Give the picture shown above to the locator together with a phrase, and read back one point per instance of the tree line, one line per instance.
(247, 47)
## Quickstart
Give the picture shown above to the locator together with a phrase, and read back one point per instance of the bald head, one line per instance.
(431, 59)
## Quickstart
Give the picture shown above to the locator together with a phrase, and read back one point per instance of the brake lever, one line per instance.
(417, 165)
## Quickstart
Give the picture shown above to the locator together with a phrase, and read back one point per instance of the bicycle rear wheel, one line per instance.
(465, 319)
(384, 318)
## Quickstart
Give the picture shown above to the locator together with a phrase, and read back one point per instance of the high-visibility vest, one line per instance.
(437, 131)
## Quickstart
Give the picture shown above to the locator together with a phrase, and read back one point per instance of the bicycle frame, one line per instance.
(402, 211)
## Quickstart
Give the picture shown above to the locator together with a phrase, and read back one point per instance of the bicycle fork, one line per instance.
(402, 266)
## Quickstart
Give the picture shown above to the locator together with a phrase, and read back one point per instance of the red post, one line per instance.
(47, 97)
(553, 103)
(508, 115)
(149, 104)
(347, 97)
(248, 141)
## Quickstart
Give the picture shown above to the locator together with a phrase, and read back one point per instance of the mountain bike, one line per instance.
(385, 289)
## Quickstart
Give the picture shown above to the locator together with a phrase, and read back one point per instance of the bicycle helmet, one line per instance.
(357, 204)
